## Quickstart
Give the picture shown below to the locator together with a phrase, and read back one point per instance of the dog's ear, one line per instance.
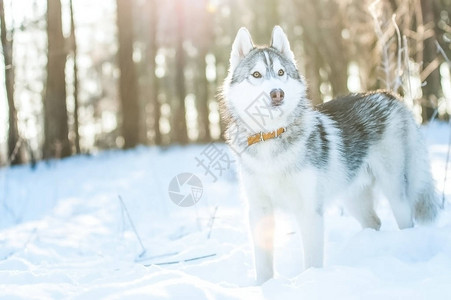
(280, 42)
(241, 47)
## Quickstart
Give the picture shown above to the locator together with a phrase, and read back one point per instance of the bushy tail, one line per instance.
(427, 206)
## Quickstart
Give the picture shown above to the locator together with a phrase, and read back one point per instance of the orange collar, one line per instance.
(263, 136)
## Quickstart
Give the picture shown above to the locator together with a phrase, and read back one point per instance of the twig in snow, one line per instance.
(3, 178)
(25, 245)
(141, 259)
(212, 221)
(124, 208)
(181, 261)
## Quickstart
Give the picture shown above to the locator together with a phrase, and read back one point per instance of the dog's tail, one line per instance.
(427, 205)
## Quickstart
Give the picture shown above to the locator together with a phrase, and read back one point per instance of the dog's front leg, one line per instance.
(310, 221)
(261, 221)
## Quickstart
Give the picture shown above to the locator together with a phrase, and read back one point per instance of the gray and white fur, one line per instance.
(348, 148)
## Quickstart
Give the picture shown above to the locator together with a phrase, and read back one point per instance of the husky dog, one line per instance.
(295, 157)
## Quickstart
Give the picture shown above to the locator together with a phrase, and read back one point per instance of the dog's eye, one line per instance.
(257, 74)
(281, 72)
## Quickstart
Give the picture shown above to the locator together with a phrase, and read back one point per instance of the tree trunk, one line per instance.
(153, 86)
(127, 81)
(179, 128)
(331, 47)
(312, 73)
(205, 42)
(14, 152)
(75, 71)
(56, 144)
(266, 16)
(433, 85)
(322, 38)
(202, 87)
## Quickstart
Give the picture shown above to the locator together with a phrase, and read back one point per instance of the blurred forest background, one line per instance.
(81, 76)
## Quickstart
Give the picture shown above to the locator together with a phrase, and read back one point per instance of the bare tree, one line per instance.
(204, 41)
(73, 40)
(153, 81)
(431, 74)
(179, 128)
(13, 131)
(56, 142)
(324, 47)
(312, 69)
(127, 82)
(327, 37)
(266, 16)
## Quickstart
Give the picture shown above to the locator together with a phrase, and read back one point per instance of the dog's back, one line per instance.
(380, 139)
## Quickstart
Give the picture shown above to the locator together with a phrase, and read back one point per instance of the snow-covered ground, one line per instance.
(65, 233)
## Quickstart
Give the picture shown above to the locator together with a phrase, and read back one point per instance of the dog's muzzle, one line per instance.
(276, 96)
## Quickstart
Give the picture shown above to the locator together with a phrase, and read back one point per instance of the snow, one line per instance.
(65, 234)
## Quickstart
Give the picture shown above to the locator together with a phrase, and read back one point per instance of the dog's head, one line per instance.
(263, 87)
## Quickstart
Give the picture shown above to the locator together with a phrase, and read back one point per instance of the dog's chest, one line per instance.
(268, 160)
(277, 176)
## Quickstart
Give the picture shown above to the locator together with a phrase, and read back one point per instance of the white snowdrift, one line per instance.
(64, 234)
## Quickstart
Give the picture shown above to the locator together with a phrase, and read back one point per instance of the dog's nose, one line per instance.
(277, 96)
